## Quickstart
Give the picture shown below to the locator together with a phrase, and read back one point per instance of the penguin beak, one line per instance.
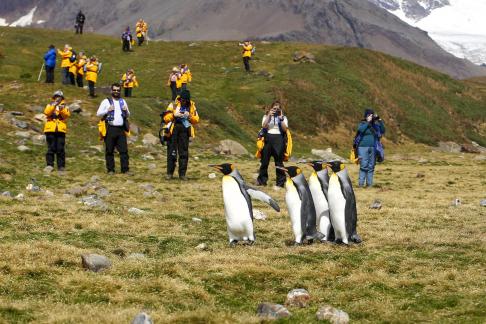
(283, 169)
(216, 166)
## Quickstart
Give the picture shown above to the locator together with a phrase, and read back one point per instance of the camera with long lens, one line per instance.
(277, 112)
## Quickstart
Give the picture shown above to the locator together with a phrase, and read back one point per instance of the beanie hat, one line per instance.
(58, 93)
(185, 95)
(368, 111)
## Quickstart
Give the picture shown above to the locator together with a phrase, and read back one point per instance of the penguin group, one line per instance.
(321, 209)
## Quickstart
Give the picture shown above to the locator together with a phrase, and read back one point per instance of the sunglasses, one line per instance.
(115, 90)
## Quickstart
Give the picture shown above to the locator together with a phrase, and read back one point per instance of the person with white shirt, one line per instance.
(114, 111)
(274, 126)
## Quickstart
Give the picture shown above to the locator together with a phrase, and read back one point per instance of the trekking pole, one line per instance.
(40, 73)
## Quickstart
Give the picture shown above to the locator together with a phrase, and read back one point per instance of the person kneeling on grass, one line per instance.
(55, 130)
(180, 118)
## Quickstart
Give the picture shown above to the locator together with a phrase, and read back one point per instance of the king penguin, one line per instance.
(318, 185)
(342, 204)
(300, 205)
(237, 204)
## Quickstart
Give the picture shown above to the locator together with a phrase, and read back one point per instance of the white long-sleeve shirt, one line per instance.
(105, 105)
(273, 124)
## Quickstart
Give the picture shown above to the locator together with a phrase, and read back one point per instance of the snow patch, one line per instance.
(24, 20)
(40, 22)
(3, 22)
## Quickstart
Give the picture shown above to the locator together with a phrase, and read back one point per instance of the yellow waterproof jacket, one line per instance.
(186, 77)
(73, 68)
(145, 27)
(65, 56)
(169, 117)
(92, 71)
(178, 81)
(247, 50)
(131, 82)
(56, 117)
(80, 65)
(139, 30)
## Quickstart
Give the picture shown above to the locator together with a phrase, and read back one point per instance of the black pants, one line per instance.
(116, 138)
(183, 87)
(72, 78)
(79, 28)
(49, 74)
(246, 62)
(91, 86)
(173, 88)
(140, 40)
(55, 147)
(79, 80)
(128, 92)
(126, 45)
(65, 75)
(178, 145)
(274, 146)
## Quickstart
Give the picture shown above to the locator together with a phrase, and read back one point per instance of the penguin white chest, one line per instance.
(237, 212)
(320, 204)
(337, 207)
(294, 204)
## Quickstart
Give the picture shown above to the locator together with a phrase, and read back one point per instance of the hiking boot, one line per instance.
(128, 173)
(183, 178)
(61, 169)
(111, 172)
(169, 177)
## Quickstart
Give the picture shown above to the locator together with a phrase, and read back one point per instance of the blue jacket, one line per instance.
(50, 58)
(369, 136)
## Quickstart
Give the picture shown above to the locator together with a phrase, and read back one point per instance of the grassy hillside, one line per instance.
(422, 260)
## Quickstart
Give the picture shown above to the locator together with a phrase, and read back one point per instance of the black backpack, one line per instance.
(73, 56)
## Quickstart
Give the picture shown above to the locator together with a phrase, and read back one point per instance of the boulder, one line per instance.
(23, 148)
(481, 149)
(142, 318)
(134, 129)
(39, 139)
(298, 298)
(270, 311)
(327, 155)
(304, 57)
(75, 108)
(333, 315)
(19, 123)
(150, 140)
(231, 147)
(469, 148)
(95, 262)
(449, 147)
(22, 134)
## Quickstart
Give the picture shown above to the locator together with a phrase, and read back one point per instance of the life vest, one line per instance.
(109, 117)
(169, 118)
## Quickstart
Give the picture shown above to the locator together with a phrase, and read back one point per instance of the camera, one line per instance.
(277, 112)
(376, 117)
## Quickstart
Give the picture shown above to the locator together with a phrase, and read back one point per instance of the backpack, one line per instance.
(72, 59)
(288, 144)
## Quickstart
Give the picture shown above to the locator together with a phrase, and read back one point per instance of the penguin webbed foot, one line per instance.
(355, 238)
(233, 243)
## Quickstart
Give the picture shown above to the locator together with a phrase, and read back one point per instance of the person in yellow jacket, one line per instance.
(73, 71)
(66, 63)
(186, 76)
(55, 130)
(129, 81)
(180, 118)
(247, 51)
(139, 32)
(92, 75)
(81, 62)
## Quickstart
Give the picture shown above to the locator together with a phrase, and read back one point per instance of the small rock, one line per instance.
(142, 318)
(258, 214)
(147, 187)
(134, 129)
(420, 175)
(135, 211)
(212, 176)
(48, 193)
(266, 74)
(39, 139)
(147, 157)
(22, 134)
(456, 202)
(2, 108)
(76, 191)
(16, 113)
(298, 298)
(151, 166)
(48, 169)
(19, 197)
(449, 147)
(132, 139)
(422, 161)
(150, 140)
(482, 203)
(23, 148)
(376, 204)
(94, 179)
(40, 117)
(265, 42)
(7, 194)
(32, 187)
(303, 57)
(469, 148)
(196, 158)
(95, 262)
(333, 315)
(136, 256)
(93, 201)
(271, 311)
(36, 129)
(230, 147)
(37, 109)
(102, 192)
(197, 220)
(75, 108)
(19, 123)
(202, 247)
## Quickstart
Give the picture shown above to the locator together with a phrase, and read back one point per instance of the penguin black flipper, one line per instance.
(241, 183)
(307, 211)
(351, 212)
(323, 177)
(263, 197)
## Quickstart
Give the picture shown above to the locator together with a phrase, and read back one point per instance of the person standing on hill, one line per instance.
(92, 67)
(82, 60)
(50, 63)
(186, 76)
(80, 18)
(129, 81)
(174, 82)
(274, 127)
(55, 130)
(126, 38)
(247, 52)
(114, 111)
(66, 55)
(180, 116)
(73, 69)
(369, 131)
(139, 32)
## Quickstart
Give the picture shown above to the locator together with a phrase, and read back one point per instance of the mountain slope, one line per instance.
(343, 22)
(324, 100)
